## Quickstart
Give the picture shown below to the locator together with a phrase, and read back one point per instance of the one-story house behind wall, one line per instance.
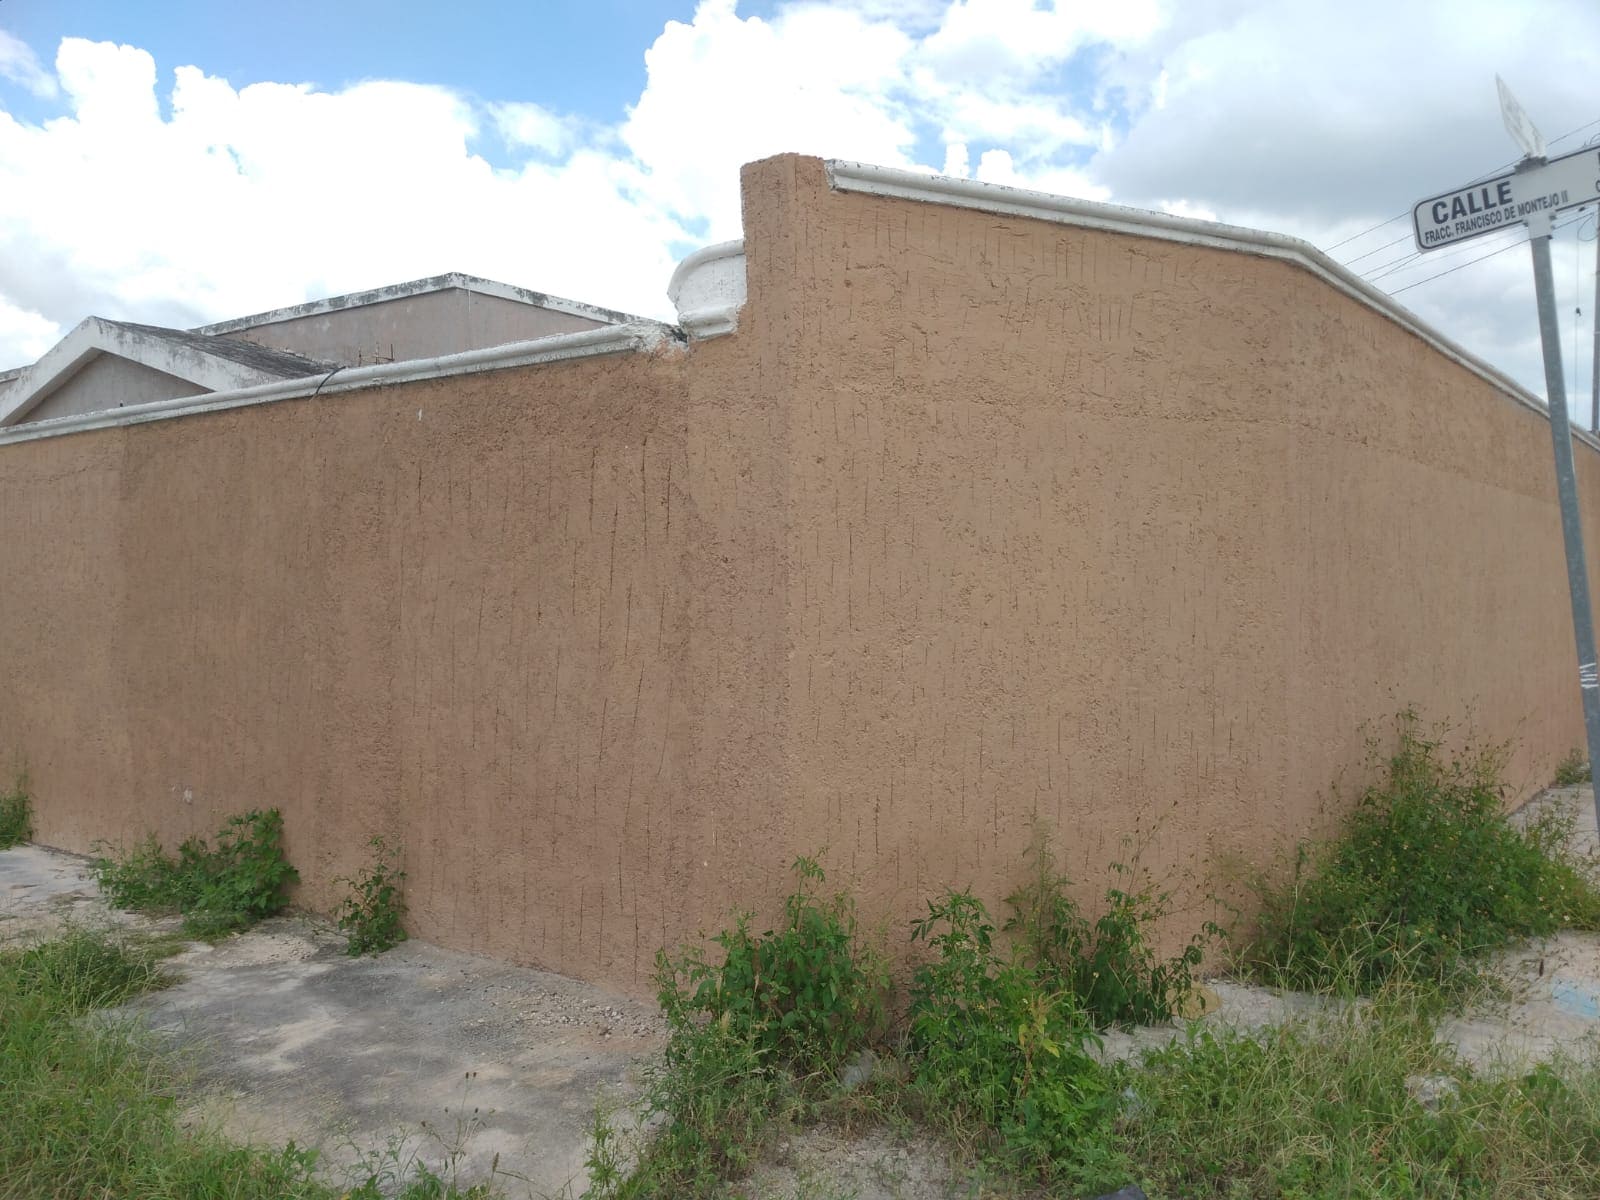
(943, 509)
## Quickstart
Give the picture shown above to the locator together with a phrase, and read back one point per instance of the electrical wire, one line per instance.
(1402, 216)
(1404, 237)
(1479, 259)
(1436, 257)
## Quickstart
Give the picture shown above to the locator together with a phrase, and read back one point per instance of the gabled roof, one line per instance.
(418, 287)
(214, 363)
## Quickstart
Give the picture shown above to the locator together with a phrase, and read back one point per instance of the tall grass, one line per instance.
(1360, 1100)
(88, 1109)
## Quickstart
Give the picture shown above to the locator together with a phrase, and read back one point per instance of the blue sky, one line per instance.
(586, 56)
(183, 162)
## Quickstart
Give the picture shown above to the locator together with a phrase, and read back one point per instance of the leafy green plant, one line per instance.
(715, 1093)
(374, 912)
(16, 813)
(1109, 965)
(219, 889)
(750, 1033)
(1425, 877)
(997, 1044)
(807, 994)
(1573, 769)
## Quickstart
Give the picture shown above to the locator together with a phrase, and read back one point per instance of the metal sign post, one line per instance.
(1531, 196)
(1567, 489)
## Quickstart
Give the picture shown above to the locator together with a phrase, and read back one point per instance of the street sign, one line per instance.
(1507, 200)
(1530, 196)
(1518, 123)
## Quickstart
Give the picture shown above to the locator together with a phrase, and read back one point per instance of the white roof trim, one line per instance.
(587, 343)
(94, 336)
(419, 287)
(1115, 218)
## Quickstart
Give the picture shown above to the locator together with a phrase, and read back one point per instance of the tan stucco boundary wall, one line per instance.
(975, 519)
(1130, 535)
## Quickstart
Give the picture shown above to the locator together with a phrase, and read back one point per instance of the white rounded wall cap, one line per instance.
(708, 290)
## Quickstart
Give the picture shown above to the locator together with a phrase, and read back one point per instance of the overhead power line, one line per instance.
(1404, 237)
(1479, 259)
(1395, 266)
(1402, 216)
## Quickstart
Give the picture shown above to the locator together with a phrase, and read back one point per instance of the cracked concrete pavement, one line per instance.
(466, 1063)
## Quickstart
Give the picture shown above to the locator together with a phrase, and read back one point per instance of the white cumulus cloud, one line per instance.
(20, 64)
(162, 192)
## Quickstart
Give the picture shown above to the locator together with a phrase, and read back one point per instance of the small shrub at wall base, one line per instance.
(1572, 770)
(1109, 965)
(807, 993)
(16, 813)
(1426, 876)
(218, 889)
(752, 1033)
(374, 911)
(998, 1044)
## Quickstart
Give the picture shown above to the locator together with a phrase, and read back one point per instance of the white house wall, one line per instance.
(426, 325)
(107, 382)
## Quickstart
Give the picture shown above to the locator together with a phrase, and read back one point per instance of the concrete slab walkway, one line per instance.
(461, 1061)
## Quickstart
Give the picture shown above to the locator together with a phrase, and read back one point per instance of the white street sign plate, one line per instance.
(1507, 200)
(1518, 123)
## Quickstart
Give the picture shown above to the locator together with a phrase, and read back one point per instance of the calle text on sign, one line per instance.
(1507, 200)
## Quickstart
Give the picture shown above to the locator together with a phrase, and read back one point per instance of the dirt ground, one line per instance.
(482, 1070)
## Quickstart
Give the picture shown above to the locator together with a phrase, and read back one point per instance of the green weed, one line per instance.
(806, 994)
(80, 970)
(1572, 770)
(374, 911)
(752, 1035)
(1426, 876)
(1333, 1106)
(997, 1045)
(716, 1095)
(218, 889)
(16, 813)
(1109, 965)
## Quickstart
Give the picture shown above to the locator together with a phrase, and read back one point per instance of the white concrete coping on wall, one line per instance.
(1115, 218)
(418, 287)
(709, 288)
(637, 336)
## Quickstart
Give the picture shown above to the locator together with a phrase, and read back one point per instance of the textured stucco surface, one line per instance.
(1129, 534)
(975, 519)
(424, 325)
